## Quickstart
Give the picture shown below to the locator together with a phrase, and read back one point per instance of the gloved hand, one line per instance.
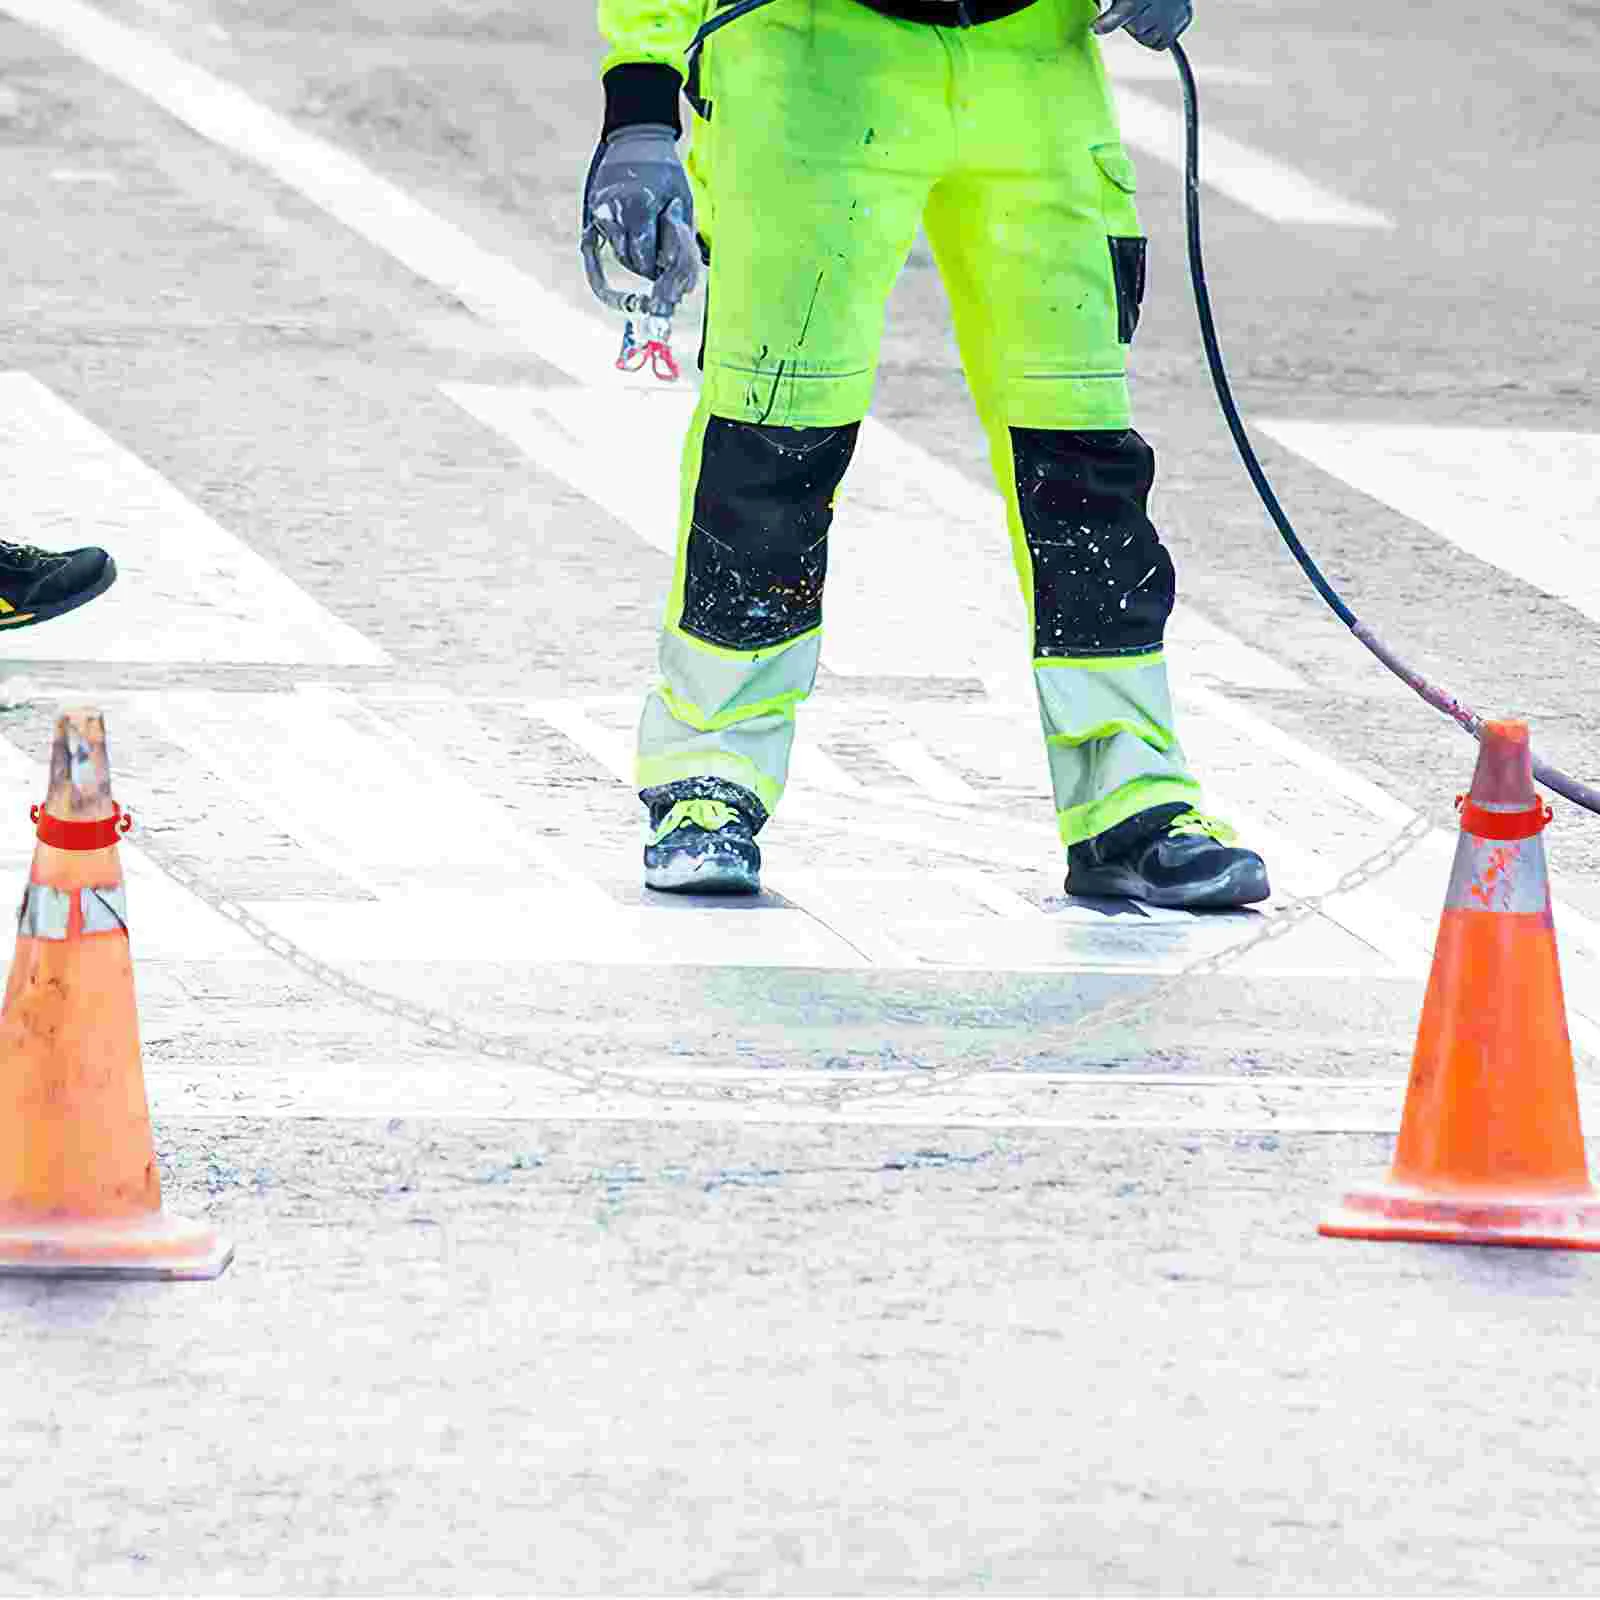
(638, 197)
(1156, 24)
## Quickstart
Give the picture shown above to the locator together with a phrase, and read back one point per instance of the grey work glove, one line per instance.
(638, 197)
(1156, 24)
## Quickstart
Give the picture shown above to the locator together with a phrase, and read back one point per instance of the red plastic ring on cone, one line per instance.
(1502, 824)
(61, 835)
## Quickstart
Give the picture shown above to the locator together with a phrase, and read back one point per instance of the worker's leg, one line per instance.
(1039, 241)
(829, 125)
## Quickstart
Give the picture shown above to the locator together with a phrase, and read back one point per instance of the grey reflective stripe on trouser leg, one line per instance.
(46, 913)
(1103, 587)
(732, 717)
(1110, 740)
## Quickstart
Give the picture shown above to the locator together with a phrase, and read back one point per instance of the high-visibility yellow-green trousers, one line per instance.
(833, 133)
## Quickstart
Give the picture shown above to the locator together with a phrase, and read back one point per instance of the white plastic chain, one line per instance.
(915, 1081)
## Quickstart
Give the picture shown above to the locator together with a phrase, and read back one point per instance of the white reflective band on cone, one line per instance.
(105, 910)
(45, 912)
(1499, 875)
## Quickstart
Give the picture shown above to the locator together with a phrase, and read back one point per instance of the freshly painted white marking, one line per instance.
(1525, 502)
(928, 772)
(1248, 177)
(386, 216)
(187, 590)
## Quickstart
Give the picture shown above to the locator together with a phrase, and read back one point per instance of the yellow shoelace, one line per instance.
(1211, 827)
(711, 815)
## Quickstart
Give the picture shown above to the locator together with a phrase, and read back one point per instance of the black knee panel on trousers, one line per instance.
(758, 543)
(1103, 583)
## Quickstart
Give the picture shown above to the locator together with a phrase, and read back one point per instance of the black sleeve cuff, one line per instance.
(642, 91)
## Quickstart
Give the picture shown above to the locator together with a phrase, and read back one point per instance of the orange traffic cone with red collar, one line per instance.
(80, 1195)
(1490, 1150)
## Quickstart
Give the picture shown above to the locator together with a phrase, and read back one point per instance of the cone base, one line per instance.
(159, 1246)
(1537, 1222)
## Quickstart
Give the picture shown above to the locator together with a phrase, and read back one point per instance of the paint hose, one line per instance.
(1440, 699)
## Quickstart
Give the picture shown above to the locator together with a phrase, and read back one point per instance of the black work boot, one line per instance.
(702, 838)
(36, 585)
(1168, 856)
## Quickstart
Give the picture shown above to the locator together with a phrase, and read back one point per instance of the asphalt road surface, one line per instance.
(294, 325)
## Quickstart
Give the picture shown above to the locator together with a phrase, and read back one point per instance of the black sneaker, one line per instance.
(702, 844)
(1168, 856)
(36, 585)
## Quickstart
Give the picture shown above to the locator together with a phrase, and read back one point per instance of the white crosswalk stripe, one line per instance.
(1524, 501)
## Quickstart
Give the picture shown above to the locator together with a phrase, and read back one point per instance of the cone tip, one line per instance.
(1504, 773)
(80, 768)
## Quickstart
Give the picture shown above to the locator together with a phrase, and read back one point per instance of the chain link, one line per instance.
(914, 1082)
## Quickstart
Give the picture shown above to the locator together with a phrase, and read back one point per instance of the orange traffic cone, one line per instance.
(80, 1195)
(1490, 1151)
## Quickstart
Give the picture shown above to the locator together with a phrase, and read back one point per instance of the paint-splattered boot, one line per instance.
(1169, 856)
(702, 839)
(36, 585)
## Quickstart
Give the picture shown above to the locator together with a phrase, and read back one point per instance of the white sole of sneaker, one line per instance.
(703, 875)
(1238, 886)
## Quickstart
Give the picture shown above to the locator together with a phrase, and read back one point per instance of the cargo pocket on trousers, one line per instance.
(1125, 237)
(1127, 266)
